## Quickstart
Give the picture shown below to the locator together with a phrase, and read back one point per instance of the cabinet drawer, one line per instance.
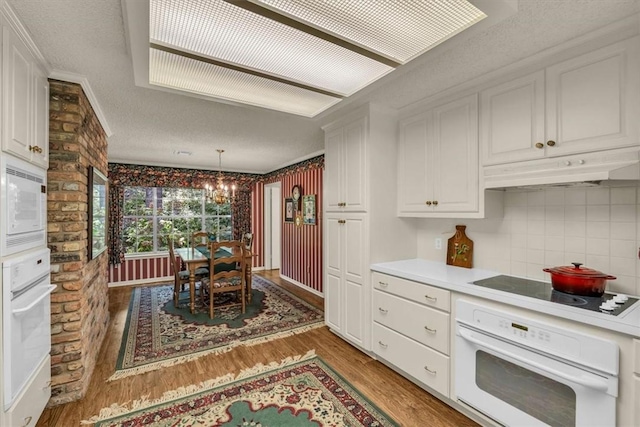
(423, 324)
(414, 291)
(29, 405)
(422, 363)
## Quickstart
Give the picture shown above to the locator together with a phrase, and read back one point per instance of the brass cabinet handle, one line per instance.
(428, 329)
(342, 204)
(341, 221)
(27, 421)
(426, 368)
(434, 299)
(382, 310)
(383, 345)
(383, 284)
(428, 202)
(551, 143)
(435, 203)
(539, 145)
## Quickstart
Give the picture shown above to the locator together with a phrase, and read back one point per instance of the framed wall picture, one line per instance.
(289, 210)
(309, 209)
(97, 213)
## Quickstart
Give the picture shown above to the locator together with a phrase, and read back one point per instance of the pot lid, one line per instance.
(576, 271)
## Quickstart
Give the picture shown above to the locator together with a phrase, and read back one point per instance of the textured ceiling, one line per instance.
(87, 37)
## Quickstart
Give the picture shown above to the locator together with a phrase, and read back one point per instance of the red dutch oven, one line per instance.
(578, 281)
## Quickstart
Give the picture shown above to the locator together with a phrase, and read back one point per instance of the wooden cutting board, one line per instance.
(460, 249)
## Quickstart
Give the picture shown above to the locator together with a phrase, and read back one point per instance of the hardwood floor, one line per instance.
(405, 402)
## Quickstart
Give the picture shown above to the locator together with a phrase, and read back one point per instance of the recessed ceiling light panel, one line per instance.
(178, 72)
(225, 32)
(398, 29)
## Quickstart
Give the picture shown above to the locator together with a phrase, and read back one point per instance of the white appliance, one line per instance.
(23, 197)
(521, 372)
(26, 308)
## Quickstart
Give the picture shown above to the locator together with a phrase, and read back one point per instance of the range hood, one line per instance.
(600, 168)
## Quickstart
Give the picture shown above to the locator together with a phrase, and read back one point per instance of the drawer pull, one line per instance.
(428, 329)
(434, 299)
(383, 345)
(383, 284)
(382, 310)
(426, 368)
(27, 421)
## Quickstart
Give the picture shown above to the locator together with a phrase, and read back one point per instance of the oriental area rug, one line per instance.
(157, 334)
(299, 391)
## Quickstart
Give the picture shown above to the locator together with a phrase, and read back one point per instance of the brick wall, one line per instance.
(79, 306)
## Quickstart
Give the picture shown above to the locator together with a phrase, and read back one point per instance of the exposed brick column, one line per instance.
(79, 306)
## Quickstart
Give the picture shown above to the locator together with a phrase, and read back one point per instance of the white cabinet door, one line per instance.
(438, 160)
(355, 296)
(345, 167)
(414, 187)
(512, 120)
(17, 105)
(355, 170)
(345, 268)
(40, 118)
(333, 160)
(592, 100)
(333, 259)
(454, 164)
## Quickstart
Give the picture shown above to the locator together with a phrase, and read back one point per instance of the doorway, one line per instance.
(272, 226)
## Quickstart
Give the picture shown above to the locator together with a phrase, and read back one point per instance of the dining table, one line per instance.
(200, 256)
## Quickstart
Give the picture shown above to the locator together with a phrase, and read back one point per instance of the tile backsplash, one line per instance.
(596, 226)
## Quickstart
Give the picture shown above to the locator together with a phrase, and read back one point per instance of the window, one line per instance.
(154, 215)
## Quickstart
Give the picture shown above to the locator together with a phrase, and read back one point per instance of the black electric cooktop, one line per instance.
(544, 291)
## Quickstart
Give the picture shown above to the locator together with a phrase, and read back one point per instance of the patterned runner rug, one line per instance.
(157, 334)
(299, 391)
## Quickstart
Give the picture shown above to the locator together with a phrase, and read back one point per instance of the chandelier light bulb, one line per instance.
(219, 193)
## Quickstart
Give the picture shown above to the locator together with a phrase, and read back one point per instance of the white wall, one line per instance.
(597, 226)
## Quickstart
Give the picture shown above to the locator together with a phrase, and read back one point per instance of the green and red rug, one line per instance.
(300, 391)
(157, 334)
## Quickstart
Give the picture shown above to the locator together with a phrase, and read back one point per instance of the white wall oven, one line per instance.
(26, 329)
(23, 197)
(521, 372)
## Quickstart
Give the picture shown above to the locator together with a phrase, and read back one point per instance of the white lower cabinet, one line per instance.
(636, 382)
(29, 405)
(411, 329)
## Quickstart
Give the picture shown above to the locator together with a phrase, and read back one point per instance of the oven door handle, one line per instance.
(50, 289)
(587, 382)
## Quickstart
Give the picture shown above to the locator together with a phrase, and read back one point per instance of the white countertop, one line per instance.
(459, 279)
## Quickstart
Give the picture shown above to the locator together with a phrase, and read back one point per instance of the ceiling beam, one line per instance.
(290, 22)
(242, 69)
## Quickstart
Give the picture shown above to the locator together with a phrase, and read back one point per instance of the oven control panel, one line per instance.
(545, 337)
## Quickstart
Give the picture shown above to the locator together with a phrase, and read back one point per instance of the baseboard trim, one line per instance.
(301, 285)
(141, 281)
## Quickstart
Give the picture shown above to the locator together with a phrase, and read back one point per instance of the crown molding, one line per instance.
(86, 87)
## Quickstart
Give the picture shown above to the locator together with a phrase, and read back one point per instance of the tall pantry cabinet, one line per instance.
(361, 226)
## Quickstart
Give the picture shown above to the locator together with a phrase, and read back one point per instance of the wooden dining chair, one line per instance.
(199, 239)
(181, 277)
(226, 273)
(247, 240)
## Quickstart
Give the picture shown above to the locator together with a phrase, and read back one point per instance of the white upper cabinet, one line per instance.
(25, 102)
(584, 104)
(438, 161)
(345, 160)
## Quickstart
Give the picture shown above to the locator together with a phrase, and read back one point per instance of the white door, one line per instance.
(333, 164)
(414, 188)
(356, 299)
(40, 118)
(272, 226)
(333, 268)
(354, 168)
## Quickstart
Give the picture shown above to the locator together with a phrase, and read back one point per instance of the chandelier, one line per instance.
(220, 193)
